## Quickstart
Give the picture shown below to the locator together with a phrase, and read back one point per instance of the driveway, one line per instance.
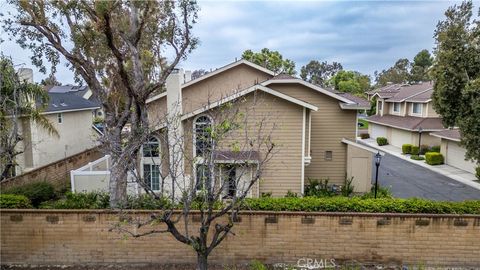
(408, 180)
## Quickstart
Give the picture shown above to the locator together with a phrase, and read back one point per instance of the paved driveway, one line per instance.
(409, 180)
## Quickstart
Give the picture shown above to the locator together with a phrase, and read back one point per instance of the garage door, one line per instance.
(400, 137)
(456, 157)
(378, 131)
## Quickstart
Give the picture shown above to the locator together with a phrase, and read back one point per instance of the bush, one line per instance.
(424, 149)
(82, 200)
(382, 192)
(434, 158)
(318, 188)
(415, 151)
(382, 141)
(477, 170)
(357, 204)
(14, 201)
(364, 136)
(36, 192)
(407, 148)
(435, 148)
(417, 157)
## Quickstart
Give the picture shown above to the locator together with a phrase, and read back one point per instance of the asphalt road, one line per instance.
(407, 180)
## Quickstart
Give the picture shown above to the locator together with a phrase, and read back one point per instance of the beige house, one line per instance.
(452, 151)
(72, 117)
(403, 112)
(314, 134)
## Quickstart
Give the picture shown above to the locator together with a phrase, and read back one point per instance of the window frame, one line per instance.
(149, 180)
(149, 142)
(399, 107)
(195, 135)
(380, 105)
(60, 118)
(326, 157)
(420, 106)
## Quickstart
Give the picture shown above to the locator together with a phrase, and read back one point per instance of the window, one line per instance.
(417, 108)
(230, 181)
(60, 118)
(151, 174)
(328, 155)
(380, 104)
(396, 107)
(151, 148)
(204, 177)
(203, 136)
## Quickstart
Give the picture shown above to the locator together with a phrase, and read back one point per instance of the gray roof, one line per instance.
(59, 102)
(410, 91)
(449, 134)
(411, 123)
(73, 89)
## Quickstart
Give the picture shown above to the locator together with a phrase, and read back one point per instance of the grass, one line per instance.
(365, 123)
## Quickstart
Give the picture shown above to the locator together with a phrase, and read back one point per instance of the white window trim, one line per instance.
(421, 109)
(399, 108)
(198, 160)
(152, 161)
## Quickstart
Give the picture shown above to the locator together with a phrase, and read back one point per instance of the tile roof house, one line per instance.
(315, 128)
(404, 111)
(72, 117)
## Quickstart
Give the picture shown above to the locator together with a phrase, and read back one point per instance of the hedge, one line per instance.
(14, 201)
(308, 204)
(382, 141)
(415, 150)
(477, 172)
(364, 136)
(37, 192)
(434, 158)
(435, 148)
(417, 157)
(407, 148)
(424, 149)
(356, 204)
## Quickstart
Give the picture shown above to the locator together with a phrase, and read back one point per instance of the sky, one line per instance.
(362, 36)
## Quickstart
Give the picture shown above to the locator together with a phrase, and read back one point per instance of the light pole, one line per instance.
(420, 130)
(378, 157)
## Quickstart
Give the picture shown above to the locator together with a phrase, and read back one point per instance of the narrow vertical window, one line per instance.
(60, 118)
(203, 136)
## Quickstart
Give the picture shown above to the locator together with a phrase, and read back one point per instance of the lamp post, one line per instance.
(420, 130)
(378, 157)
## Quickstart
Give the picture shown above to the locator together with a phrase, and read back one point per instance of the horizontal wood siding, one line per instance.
(329, 125)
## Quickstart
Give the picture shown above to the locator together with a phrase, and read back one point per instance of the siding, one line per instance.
(284, 120)
(329, 125)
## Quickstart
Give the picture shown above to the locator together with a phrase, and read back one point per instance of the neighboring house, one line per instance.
(452, 151)
(403, 112)
(315, 134)
(80, 91)
(72, 117)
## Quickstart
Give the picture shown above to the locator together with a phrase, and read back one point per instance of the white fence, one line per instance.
(95, 176)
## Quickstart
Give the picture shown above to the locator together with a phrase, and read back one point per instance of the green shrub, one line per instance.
(477, 170)
(257, 265)
(347, 188)
(415, 151)
(417, 157)
(434, 158)
(407, 148)
(291, 194)
(318, 188)
(435, 148)
(364, 136)
(82, 200)
(14, 201)
(382, 192)
(382, 141)
(357, 204)
(424, 149)
(37, 192)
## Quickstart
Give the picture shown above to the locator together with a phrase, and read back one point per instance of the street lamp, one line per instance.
(378, 157)
(420, 130)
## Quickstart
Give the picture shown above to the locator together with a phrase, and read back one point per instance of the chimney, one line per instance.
(25, 74)
(188, 76)
(174, 124)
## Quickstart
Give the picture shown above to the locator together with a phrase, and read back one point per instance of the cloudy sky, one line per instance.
(363, 36)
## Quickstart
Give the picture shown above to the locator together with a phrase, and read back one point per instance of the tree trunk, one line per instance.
(202, 261)
(118, 183)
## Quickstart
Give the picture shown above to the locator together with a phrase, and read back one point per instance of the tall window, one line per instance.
(380, 103)
(60, 118)
(151, 148)
(396, 107)
(151, 174)
(203, 135)
(417, 108)
(204, 177)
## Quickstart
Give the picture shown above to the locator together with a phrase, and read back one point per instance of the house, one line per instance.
(452, 151)
(405, 115)
(82, 91)
(315, 128)
(72, 117)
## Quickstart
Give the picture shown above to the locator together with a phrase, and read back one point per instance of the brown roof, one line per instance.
(392, 88)
(283, 76)
(408, 122)
(236, 156)
(423, 97)
(360, 101)
(409, 91)
(449, 134)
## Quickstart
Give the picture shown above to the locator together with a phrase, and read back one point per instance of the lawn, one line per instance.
(362, 121)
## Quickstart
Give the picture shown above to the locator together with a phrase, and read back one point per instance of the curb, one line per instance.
(423, 164)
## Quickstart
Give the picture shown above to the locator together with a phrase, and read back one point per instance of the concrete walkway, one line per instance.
(451, 172)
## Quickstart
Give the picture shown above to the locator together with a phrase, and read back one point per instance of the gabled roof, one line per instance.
(67, 102)
(405, 92)
(449, 134)
(245, 92)
(349, 101)
(410, 123)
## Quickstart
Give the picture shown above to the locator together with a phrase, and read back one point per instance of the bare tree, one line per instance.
(198, 73)
(119, 49)
(206, 172)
